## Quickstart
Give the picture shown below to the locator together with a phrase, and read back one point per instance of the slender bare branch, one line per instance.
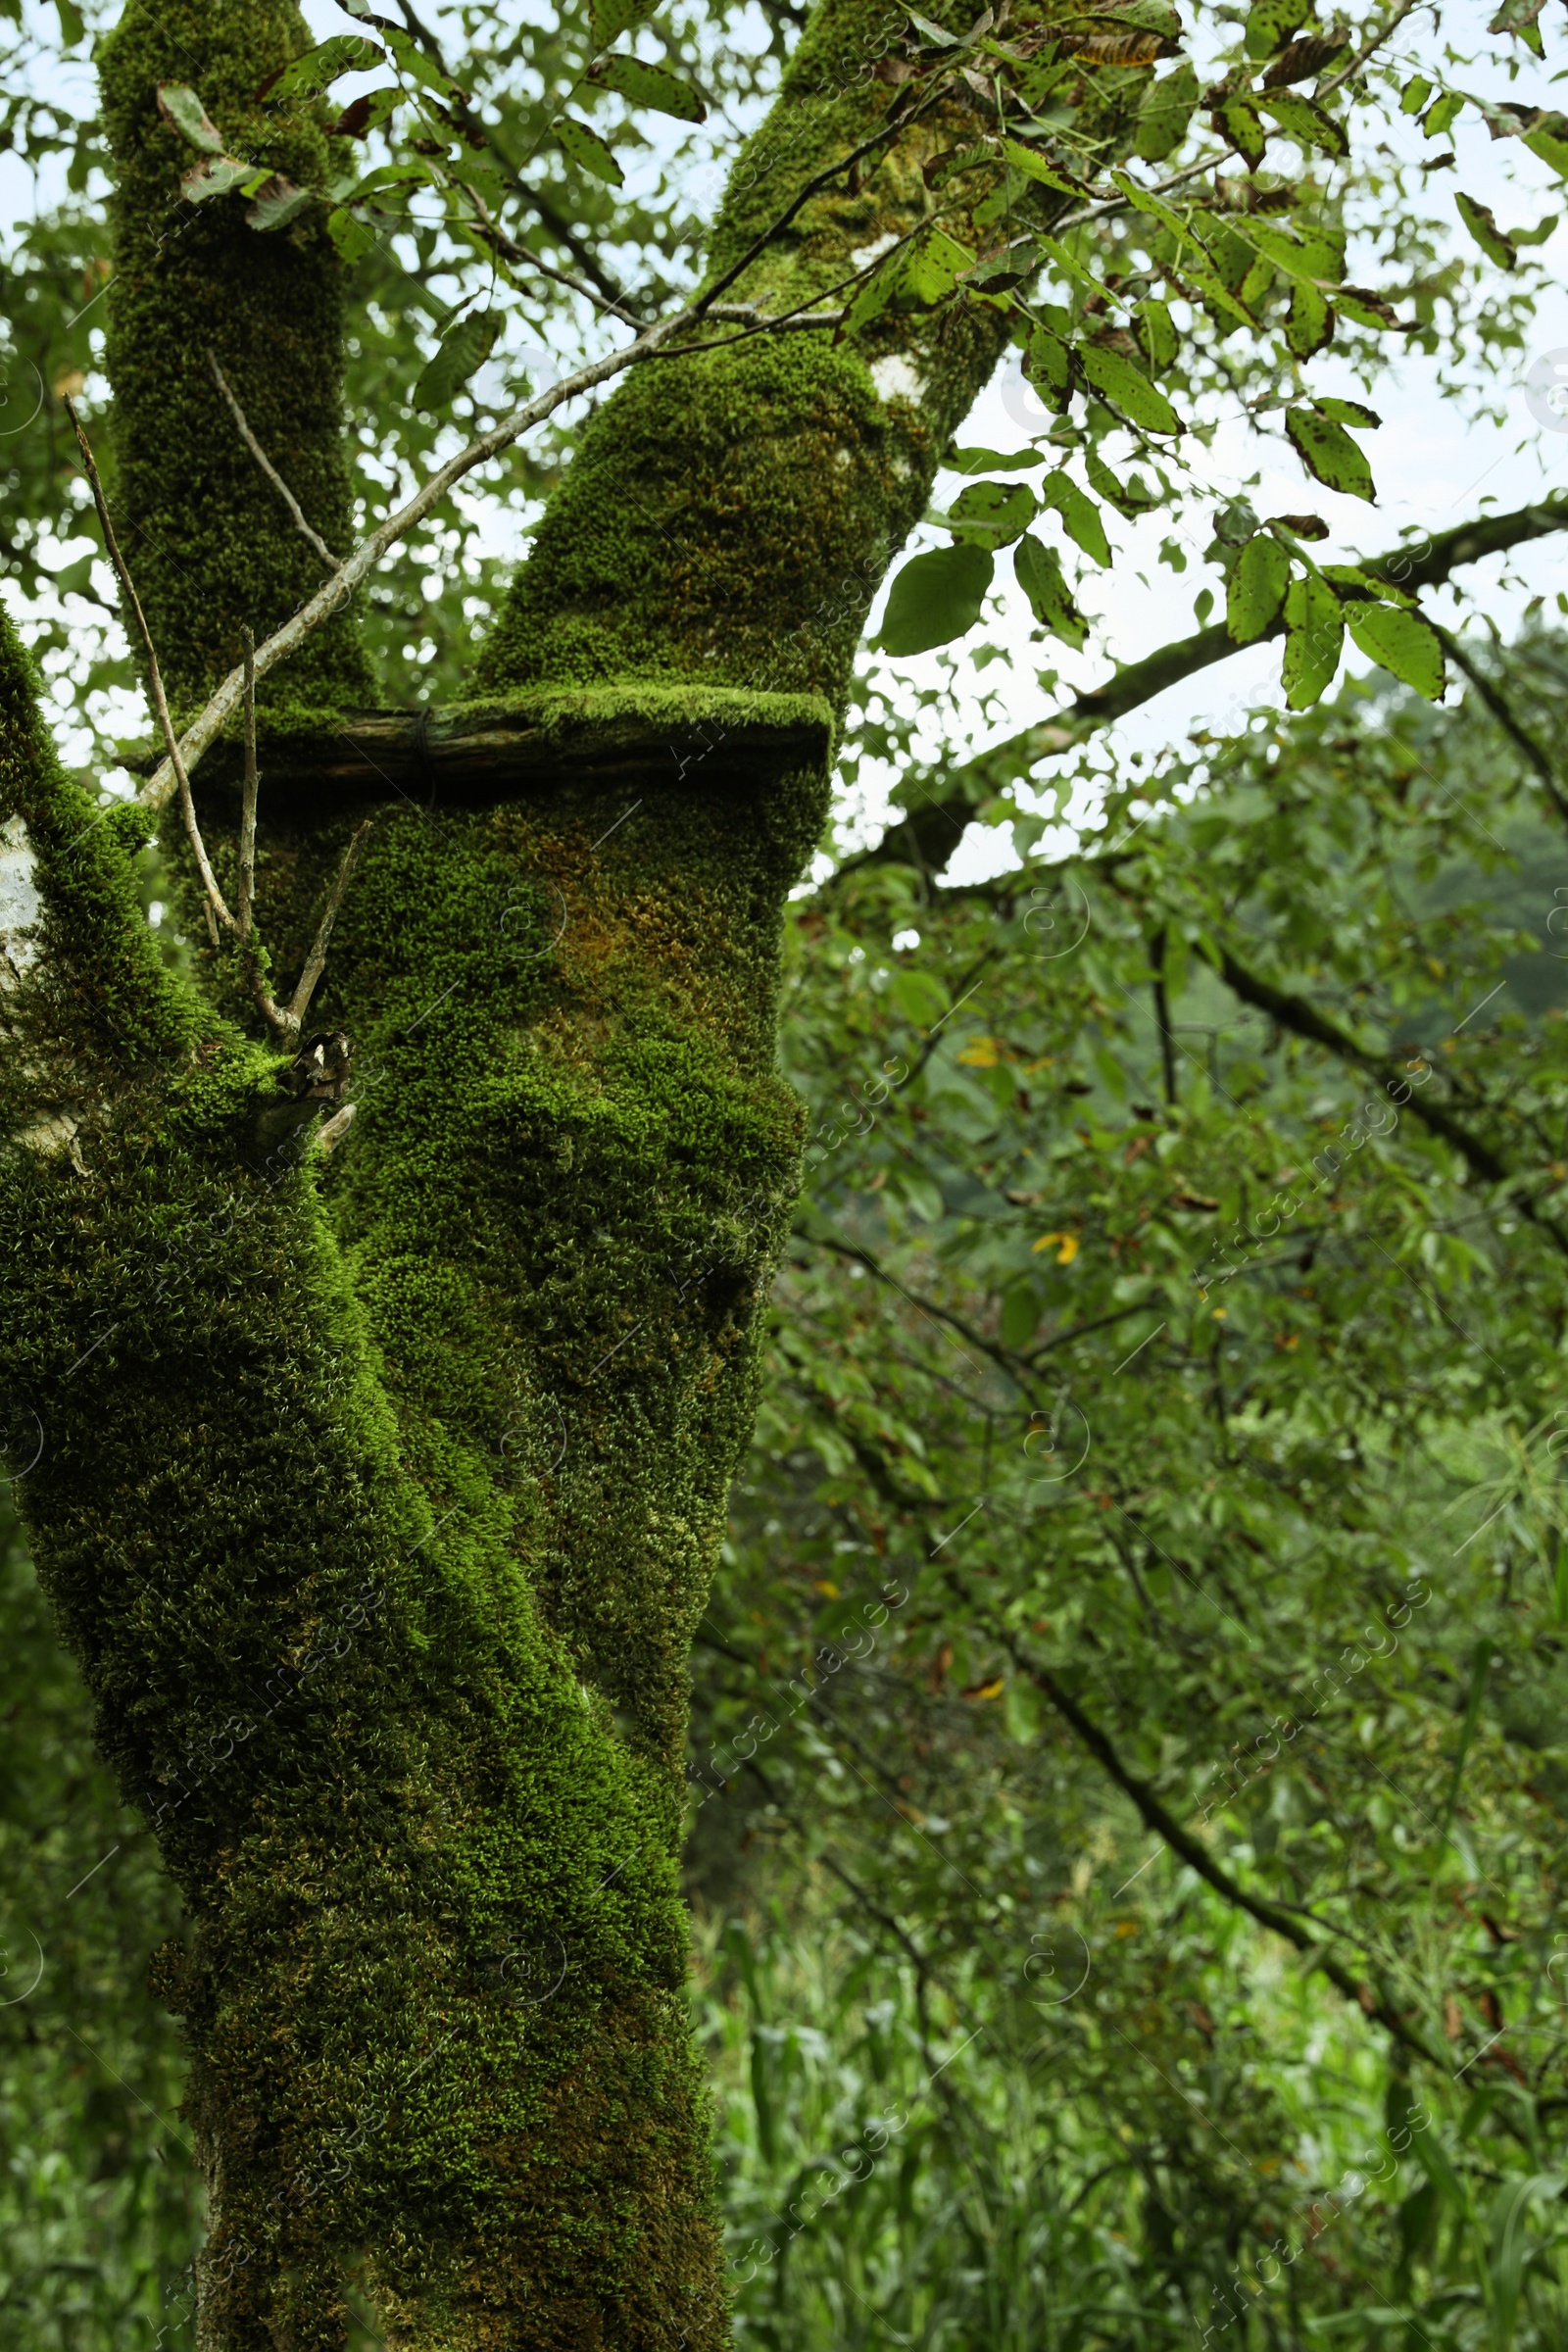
(523, 256)
(155, 682)
(270, 469)
(335, 592)
(251, 785)
(316, 961)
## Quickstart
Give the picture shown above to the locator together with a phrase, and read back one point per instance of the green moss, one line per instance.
(210, 544)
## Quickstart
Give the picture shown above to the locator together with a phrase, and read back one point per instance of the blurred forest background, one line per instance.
(1130, 1753)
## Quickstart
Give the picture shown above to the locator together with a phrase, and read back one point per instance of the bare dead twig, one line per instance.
(251, 785)
(214, 898)
(523, 256)
(316, 961)
(268, 468)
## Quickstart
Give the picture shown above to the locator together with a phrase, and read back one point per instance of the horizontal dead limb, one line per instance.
(490, 752)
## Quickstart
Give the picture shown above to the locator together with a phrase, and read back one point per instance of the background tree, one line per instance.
(382, 1577)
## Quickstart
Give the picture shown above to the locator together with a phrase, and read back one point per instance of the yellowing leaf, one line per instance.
(1067, 1246)
(982, 1055)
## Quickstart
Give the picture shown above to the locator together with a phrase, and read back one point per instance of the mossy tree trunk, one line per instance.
(379, 1492)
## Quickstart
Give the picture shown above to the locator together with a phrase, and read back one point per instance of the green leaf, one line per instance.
(215, 179)
(649, 85)
(1400, 642)
(352, 237)
(936, 598)
(916, 279)
(1079, 514)
(1168, 107)
(1034, 167)
(185, 112)
(1241, 126)
(1478, 220)
(1039, 574)
(1115, 378)
(464, 350)
(307, 75)
(588, 151)
(1519, 16)
(1348, 411)
(1305, 121)
(1157, 333)
(1127, 493)
(1271, 22)
(1417, 90)
(277, 202)
(610, 18)
(1440, 117)
(991, 461)
(1049, 366)
(73, 25)
(1156, 207)
(993, 512)
(1352, 575)
(935, 33)
(1550, 140)
(1310, 322)
(412, 60)
(1216, 298)
(1257, 585)
(1329, 454)
(1315, 634)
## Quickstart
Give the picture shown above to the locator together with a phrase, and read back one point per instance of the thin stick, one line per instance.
(251, 785)
(334, 593)
(523, 256)
(155, 682)
(316, 961)
(268, 468)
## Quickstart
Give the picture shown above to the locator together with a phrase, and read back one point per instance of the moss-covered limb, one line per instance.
(208, 541)
(729, 515)
(433, 1973)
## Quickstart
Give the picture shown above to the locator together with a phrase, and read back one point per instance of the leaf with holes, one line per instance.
(1257, 586)
(993, 461)
(1402, 643)
(185, 112)
(1115, 378)
(936, 598)
(649, 85)
(277, 202)
(215, 177)
(1039, 573)
(1519, 16)
(1315, 634)
(1240, 124)
(464, 350)
(1348, 411)
(993, 513)
(1271, 22)
(1478, 220)
(309, 76)
(588, 151)
(1329, 454)
(1079, 514)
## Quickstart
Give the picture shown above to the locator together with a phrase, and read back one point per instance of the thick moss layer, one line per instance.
(434, 1983)
(380, 1493)
(208, 540)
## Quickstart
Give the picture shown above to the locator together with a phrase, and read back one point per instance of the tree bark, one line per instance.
(379, 1491)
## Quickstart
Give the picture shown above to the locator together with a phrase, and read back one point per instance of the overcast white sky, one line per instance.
(1434, 464)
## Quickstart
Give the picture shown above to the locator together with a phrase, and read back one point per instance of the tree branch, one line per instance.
(937, 827)
(270, 469)
(214, 897)
(1192, 1850)
(316, 961)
